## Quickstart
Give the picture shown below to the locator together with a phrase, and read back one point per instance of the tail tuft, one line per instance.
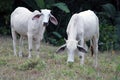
(92, 52)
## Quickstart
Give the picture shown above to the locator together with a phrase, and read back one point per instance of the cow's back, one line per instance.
(19, 20)
(90, 24)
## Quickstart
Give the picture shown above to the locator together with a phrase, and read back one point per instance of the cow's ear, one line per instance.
(61, 48)
(53, 20)
(81, 49)
(37, 16)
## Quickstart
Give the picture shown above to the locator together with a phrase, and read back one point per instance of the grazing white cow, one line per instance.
(82, 27)
(30, 24)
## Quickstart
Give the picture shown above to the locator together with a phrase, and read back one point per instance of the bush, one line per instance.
(5, 11)
(108, 37)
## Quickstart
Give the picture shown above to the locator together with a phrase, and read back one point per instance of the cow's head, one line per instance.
(45, 16)
(71, 46)
(48, 16)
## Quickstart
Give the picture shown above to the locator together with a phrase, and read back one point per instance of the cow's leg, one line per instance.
(95, 50)
(81, 54)
(82, 57)
(37, 43)
(30, 39)
(14, 41)
(20, 46)
(42, 33)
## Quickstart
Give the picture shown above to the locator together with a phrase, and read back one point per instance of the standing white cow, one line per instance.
(82, 27)
(30, 24)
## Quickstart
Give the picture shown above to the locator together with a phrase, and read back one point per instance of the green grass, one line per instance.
(51, 66)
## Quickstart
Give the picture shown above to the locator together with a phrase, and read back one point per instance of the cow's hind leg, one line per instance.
(14, 41)
(95, 51)
(20, 46)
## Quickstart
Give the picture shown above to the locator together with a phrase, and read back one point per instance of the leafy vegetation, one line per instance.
(5, 11)
(108, 38)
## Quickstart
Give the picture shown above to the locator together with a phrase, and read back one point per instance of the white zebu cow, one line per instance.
(30, 24)
(82, 27)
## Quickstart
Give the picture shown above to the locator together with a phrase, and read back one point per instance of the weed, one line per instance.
(41, 65)
(2, 62)
(27, 65)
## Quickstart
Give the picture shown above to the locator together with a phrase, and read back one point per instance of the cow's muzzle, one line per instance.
(45, 24)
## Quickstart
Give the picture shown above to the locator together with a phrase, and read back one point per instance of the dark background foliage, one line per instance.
(108, 12)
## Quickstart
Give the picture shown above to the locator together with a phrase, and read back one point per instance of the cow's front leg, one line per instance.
(42, 33)
(81, 54)
(30, 38)
(37, 43)
(82, 57)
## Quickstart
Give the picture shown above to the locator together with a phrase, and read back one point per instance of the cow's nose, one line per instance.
(45, 24)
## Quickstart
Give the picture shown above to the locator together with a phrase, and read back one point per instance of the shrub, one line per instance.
(108, 37)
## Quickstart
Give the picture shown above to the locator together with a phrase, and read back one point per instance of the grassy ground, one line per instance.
(51, 66)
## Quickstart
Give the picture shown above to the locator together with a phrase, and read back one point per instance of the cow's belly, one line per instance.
(22, 30)
(88, 35)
